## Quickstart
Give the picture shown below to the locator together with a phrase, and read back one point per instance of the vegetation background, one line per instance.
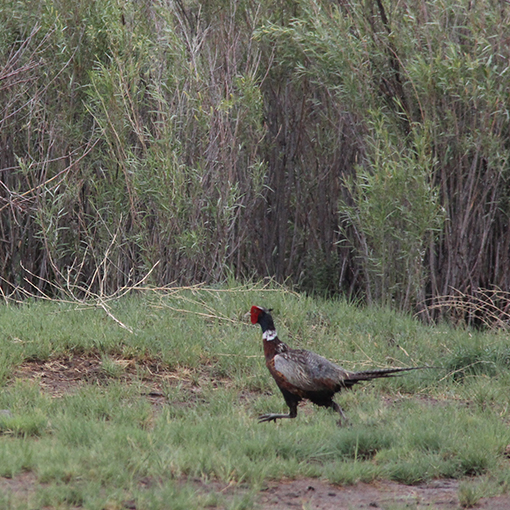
(347, 147)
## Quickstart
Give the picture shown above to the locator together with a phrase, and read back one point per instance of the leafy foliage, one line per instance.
(359, 148)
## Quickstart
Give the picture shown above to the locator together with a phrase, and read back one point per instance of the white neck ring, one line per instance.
(269, 335)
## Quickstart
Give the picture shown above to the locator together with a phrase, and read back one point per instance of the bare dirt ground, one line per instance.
(313, 494)
(316, 495)
(66, 374)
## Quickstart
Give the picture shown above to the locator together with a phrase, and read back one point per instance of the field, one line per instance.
(150, 401)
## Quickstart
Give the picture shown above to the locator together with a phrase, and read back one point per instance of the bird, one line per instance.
(305, 375)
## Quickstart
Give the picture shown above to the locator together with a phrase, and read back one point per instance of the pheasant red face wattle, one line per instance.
(255, 312)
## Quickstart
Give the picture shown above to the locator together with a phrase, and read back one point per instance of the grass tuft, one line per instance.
(469, 494)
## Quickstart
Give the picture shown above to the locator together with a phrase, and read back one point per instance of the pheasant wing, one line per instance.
(308, 371)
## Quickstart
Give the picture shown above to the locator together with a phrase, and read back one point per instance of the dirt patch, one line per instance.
(23, 484)
(314, 494)
(67, 373)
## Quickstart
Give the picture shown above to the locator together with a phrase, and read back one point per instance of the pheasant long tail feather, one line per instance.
(367, 375)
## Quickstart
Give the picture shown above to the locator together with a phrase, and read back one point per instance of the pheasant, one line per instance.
(302, 374)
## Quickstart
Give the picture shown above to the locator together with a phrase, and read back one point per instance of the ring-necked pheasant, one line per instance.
(302, 374)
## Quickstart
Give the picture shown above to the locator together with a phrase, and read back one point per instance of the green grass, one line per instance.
(104, 442)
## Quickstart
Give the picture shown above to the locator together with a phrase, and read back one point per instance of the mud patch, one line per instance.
(321, 496)
(315, 494)
(311, 494)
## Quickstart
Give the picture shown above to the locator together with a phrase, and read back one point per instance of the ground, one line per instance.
(440, 494)
(60, 376)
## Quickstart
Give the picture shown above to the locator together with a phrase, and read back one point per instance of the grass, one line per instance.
(103, 443)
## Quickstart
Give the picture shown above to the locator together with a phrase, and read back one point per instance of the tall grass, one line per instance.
(357, 148)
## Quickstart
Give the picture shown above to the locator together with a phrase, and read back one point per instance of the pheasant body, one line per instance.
(302, 374)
